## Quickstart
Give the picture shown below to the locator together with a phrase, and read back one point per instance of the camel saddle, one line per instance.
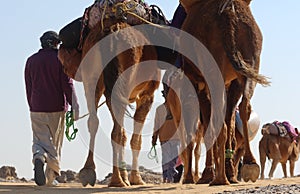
(132, 12)
(275, 128)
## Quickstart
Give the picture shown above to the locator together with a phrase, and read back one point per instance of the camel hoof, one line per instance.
(116, 181)
(219, 182)
(204, 180)
(207, 176)
(87, 176)
(124, 176)
(117, 184)
(233, 180)
(250, 172)
(188, 181)
(135, 178)
(196, 178)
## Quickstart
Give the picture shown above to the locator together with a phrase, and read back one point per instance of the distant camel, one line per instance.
(279, 149)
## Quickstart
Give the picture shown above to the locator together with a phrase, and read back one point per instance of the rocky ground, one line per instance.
(284, 189)
(8, 174)
(9, 182)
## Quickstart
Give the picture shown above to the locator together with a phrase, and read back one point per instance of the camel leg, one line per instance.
(118, 141)
(283, 165)
(197, 152)
(190, 125)
(237, 160)
(208, 173)
(188, 158)
(250, 169)
(233, 95)
(205, 108)
(262, 156)
(273, 167)
(275, 154)
(144, 104)
(188, 178)
(87, 174)
(292, 167)
(219, 154)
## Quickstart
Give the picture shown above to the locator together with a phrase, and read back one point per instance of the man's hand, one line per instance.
(75, 113)
(154, 139)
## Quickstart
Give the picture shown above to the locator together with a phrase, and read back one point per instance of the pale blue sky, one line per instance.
(25, 21)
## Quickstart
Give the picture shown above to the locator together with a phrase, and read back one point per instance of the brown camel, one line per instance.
(279, 149)
(229, 32)
(113, 67)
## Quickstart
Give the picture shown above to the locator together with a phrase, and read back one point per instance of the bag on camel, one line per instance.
(277, 128)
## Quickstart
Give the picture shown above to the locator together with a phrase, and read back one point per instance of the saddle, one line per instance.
(132, 12)
(275, 128)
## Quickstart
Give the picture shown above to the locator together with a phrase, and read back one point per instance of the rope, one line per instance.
(126, 10)
(151, 155)
(81, 117)
(70, 123)
(146, 21)
(103, 15)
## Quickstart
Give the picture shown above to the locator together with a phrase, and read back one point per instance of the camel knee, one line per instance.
(93, 123)
(119, 137)
(136, 142)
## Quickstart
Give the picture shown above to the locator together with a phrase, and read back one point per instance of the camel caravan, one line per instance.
(108, 51)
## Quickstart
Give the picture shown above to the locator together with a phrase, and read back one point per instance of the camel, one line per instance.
(279, 149)
(115, 69)
(229, 32)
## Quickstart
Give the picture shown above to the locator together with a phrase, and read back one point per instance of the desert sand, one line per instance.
(64, 188)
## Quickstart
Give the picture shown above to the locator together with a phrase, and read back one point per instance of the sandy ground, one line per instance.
(162, 188)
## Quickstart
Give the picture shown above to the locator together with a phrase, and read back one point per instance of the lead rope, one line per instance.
(70, 123)
(151, 155)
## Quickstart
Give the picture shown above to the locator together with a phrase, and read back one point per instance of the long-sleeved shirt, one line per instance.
(48, 88)
(165, 129)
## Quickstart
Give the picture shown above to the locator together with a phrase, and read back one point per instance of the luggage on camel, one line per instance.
(129, 11)
(283, 129)
(275, 128)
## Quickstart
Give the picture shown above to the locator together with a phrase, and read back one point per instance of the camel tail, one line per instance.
(229, 25)
(245, 69)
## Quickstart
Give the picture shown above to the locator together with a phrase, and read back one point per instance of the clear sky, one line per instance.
(25, 21)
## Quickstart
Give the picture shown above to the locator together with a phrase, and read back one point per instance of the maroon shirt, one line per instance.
(48, 88)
